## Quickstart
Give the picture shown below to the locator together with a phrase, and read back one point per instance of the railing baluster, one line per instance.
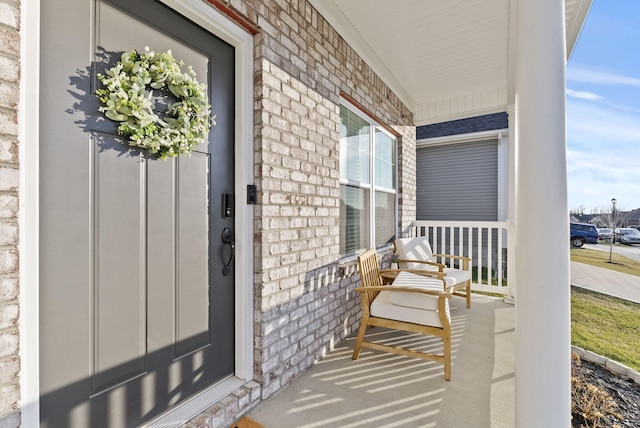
(471, 252)
(490, 255)
(499, 246)
(436, 232)
(460, 237)
(480, 246)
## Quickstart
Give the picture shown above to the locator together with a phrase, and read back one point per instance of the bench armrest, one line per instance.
(465, 260)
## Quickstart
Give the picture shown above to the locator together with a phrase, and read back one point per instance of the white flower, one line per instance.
(127, 97)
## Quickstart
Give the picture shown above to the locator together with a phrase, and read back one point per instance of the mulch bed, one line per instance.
(624, 392)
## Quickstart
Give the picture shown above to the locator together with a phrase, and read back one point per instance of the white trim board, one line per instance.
(28, 135)
(494, 134)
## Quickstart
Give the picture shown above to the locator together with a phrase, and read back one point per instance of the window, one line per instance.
(367, 183)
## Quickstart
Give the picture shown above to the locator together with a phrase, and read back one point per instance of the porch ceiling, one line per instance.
(446, 60)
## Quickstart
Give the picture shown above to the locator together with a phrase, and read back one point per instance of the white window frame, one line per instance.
(371, 187)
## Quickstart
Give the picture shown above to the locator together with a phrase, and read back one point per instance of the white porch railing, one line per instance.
(484, 242)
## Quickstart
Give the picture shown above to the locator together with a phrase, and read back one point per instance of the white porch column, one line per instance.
(542, 275)
(511, 207)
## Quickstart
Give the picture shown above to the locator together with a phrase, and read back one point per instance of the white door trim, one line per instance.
(28, 218)
(28, 117)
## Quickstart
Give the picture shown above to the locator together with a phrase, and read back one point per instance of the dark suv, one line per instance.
(583, 233)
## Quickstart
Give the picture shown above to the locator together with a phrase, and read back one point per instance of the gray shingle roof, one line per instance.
(487, 122)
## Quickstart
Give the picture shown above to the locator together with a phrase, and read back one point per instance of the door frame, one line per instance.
(221, 26)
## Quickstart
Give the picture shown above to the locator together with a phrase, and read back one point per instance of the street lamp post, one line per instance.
(613, 227)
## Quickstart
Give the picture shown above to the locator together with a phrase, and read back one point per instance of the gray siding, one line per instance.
(458, 182)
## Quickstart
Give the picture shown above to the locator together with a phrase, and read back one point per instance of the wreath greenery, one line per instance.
(127, 97)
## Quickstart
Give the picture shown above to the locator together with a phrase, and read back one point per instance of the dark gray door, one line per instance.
(136, 309)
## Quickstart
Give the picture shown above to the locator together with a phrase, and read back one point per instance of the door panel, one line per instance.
(119, 286)
(136, 314)
(192, 303)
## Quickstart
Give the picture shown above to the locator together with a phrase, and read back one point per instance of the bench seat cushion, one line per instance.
(414, 249)
(381, 307)
(420, 249)
(456, 276)
(415, 300)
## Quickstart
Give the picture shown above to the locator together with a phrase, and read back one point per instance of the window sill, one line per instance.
(349, 261)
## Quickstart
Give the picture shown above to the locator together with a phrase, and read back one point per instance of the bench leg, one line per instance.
(358, 344)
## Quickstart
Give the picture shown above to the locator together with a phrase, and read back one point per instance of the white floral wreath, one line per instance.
(127, 97)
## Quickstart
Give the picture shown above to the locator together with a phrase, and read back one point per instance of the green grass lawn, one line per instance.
(601, 259)
(603, 324)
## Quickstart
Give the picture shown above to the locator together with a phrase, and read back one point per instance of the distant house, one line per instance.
(625, 219)
(634, 218)
(584, 218)
(462, 169)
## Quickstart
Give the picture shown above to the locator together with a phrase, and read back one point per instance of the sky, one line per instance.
(603, 109)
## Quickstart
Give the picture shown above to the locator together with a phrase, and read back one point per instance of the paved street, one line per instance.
(606, 281)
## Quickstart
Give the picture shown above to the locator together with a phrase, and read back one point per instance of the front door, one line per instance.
(136, 260)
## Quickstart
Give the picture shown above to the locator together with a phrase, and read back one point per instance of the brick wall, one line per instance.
(304, 299)
(9, 180)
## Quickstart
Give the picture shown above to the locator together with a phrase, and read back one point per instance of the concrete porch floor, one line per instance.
(388, 390)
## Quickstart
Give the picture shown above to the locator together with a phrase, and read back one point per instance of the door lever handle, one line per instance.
(229, 238)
